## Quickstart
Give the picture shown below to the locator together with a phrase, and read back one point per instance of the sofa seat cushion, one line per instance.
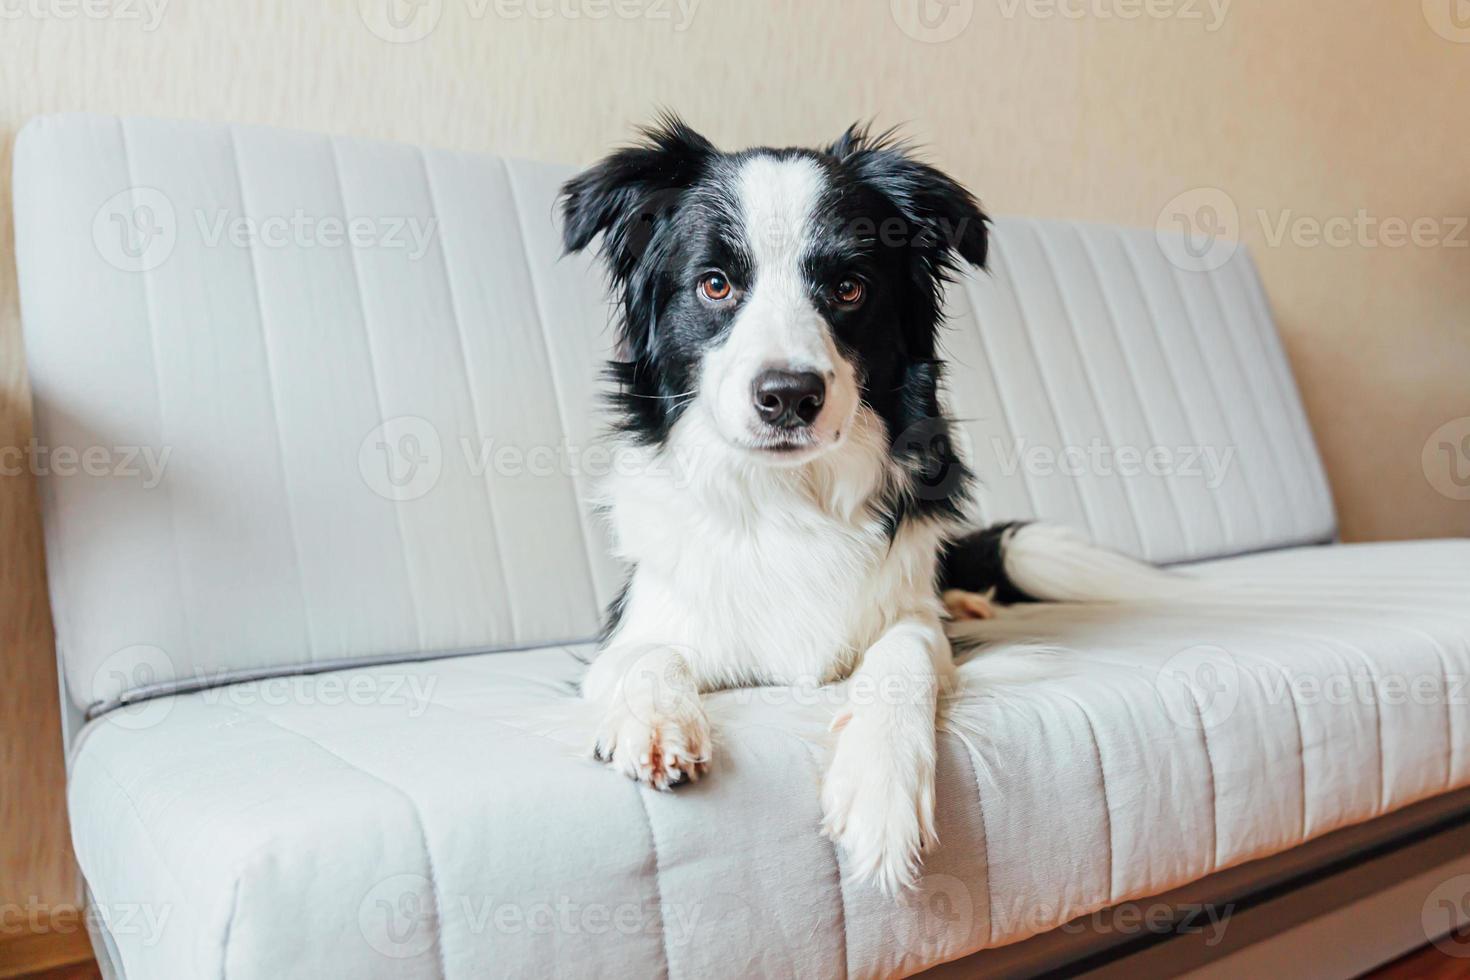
(436, 819)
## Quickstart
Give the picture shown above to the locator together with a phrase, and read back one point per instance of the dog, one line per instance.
(778, 313)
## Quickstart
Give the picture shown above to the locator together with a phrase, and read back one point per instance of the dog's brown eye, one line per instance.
(715, 287)
(849, 293)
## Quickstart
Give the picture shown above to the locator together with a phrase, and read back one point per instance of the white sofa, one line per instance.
(324, 592)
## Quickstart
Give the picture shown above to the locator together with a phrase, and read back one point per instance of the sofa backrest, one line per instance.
(304, 401)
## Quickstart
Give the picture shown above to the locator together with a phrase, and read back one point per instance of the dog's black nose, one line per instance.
(789, 399)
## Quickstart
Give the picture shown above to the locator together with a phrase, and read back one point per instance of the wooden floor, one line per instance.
(1429, 963)
(76, 971)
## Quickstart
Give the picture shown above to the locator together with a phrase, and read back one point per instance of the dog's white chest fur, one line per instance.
(760, 575)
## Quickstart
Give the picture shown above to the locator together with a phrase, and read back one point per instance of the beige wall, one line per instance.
(1311, 109)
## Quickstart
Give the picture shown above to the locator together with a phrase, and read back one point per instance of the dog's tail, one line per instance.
(1023, 562)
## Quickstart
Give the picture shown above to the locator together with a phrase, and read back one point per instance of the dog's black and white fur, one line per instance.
(779, 311)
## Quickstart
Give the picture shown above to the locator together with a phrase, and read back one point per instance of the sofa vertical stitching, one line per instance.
(1251, 380)
(464, 361)
(658, 884)
(985, 843)
(1328, 642)
(1092, 390)
(367, 337)
(1250, 334)
(1102, 779)
(224, 945)
(1280, 369)
(173, 526)
(995, 386)
(1132, 372)
(1204, 734)
(1174, 274)
(270, 383)
(1222, 518)
(1002, 266)
(556, 383)
(418, 816)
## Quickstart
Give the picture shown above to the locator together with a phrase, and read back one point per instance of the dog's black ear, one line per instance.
(626, 195)
(945, 219)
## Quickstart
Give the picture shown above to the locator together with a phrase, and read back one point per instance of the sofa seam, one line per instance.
(146, 279)
(1003, 267)
(1269, 337)
(1170, 490)
(558, 391)
(1005, 415)
(224, 954)
(1254, 384)
(418, 815)
(1252, 402)
(1125, 486)
(367, 339)
(658, 884)
(1173, 275)
(1204, 735)
(464, 363)
(270, 382)
(1102, 779)
(985, 844)
(1227, 541)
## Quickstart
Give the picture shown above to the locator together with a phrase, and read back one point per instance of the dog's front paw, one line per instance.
(656, 734)
(659, 752)
(878, 803)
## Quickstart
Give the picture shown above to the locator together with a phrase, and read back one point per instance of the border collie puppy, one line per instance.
(778, 320)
